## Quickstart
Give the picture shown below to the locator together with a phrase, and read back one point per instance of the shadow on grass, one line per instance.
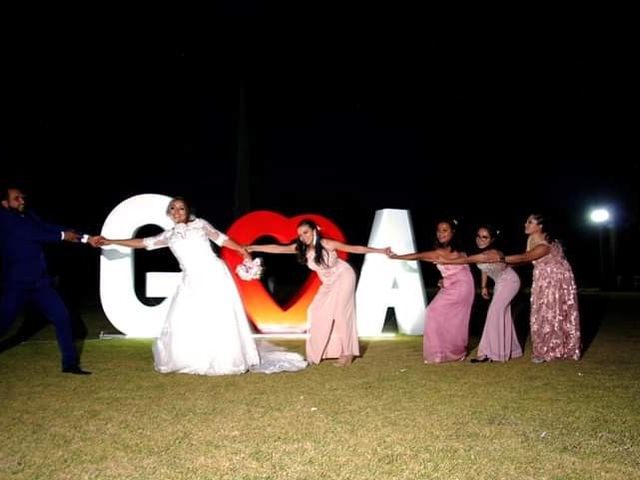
(520, 311)
(592, 312)
(32, 325)
(592, 308)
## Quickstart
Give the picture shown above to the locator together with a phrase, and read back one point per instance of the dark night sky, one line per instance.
(484, 117)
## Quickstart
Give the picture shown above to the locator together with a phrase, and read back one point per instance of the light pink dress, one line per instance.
(446, 332)
(555, 321)
(499, 341)
(332, 314)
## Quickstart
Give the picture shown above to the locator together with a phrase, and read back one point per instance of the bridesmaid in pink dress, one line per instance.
(331, 317)
(499, 341)
(555, 320)
(446, 333)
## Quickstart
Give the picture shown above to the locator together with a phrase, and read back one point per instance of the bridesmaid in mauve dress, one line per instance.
(499, 341)
(331, 317)
(446, 333)
(555, 319)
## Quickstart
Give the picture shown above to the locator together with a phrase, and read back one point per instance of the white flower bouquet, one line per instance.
(250, 269)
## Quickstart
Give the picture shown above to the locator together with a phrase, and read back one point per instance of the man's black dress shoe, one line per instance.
(75, 370)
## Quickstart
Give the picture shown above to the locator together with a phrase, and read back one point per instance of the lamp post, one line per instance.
(601, 217)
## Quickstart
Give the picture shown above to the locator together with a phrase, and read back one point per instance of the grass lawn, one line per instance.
(386, 416)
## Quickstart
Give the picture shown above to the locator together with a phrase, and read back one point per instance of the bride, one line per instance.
(206, 331)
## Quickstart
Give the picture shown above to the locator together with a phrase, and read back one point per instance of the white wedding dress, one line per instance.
(206, 331)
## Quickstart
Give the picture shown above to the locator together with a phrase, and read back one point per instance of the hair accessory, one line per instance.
(250, 269)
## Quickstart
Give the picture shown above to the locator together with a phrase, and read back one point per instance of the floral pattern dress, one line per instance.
(555, 319)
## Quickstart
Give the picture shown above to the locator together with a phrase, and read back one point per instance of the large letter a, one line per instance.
(388, 283)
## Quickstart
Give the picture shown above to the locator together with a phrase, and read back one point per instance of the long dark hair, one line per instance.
(547, 226)
(301, 247)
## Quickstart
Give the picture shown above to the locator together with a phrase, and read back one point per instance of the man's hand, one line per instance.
(71, 236)
(95, 240)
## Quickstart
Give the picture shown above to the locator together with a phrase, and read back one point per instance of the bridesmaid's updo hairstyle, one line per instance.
(496, 237)
(546, 224)
(453, 243)
(301, 247)
(187, 205)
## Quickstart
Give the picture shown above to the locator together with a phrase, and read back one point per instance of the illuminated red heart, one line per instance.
(262, 309)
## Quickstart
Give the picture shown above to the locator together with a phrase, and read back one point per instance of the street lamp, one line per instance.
(601, 217)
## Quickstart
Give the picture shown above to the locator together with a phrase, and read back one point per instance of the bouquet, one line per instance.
(250, 269)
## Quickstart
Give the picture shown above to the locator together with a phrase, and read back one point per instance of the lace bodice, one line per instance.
(494, 270)
(197, 228)
(189, 242)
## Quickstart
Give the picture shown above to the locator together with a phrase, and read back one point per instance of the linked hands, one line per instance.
(101, 241)
(73, 236)
(244, 251)
(93, 241)
(492, 256)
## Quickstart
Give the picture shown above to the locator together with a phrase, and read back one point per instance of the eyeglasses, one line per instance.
(483, 237)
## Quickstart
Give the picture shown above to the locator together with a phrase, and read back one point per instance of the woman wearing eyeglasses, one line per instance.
(499, 341)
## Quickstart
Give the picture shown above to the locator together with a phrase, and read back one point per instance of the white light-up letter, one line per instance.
(117, 292)
(388, 283)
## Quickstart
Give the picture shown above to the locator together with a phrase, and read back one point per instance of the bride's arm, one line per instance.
(272, 248)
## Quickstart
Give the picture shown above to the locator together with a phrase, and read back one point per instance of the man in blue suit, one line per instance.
(24, 272)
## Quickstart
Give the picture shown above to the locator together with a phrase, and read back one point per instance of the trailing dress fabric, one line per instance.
(206, 331)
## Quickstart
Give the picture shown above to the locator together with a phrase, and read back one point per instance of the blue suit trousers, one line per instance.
(48, 301)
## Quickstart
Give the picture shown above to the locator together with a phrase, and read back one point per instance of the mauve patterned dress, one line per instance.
(499, 341)
(555, 321)
(446, 332)
(332, 313)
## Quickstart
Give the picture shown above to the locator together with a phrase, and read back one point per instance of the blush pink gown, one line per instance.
(331, 316)
(499, 340)
(446, 332)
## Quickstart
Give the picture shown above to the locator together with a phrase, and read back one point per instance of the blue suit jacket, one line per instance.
(22, 236)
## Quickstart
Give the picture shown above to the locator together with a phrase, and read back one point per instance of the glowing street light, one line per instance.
(599, 215)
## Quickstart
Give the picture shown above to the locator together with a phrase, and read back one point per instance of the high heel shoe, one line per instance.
(480, 360)
(344, 361)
